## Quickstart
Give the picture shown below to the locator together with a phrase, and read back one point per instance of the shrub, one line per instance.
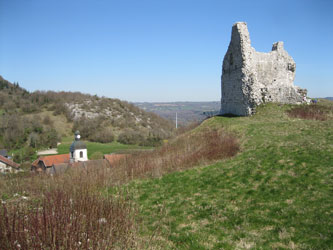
(130, 137)
(65, 220)
(50, 138)
(59, 108)
(18, 132)
(152, 141)
(47, 120)
(103, 136)
(189, 127)
(87, 126)
(34, 140)
(310, 112)
(28, 107)
(96, 156)
(24, 154)
(13, 131)
(184, 152)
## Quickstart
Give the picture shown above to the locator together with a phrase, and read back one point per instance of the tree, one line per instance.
(131, 137)
(96, 156)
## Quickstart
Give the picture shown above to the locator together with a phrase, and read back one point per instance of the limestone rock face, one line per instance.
(250, 78)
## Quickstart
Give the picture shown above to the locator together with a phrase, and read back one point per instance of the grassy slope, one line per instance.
(276, 193)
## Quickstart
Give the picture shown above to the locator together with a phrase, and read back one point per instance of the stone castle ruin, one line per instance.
(250, 78)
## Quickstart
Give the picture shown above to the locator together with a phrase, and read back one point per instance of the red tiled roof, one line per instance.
(9, 162)
(52, 159)
(35, 163)
(112, 158)
(91, 164)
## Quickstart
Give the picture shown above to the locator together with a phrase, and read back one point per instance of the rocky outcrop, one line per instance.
(250, 78)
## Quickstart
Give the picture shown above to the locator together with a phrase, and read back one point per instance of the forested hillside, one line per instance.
(30, 121)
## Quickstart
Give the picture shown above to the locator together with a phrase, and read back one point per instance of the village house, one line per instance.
(81, 165)
(76, 158)
(78, 153)
(113, 158)
(45, 162)
(8, 166)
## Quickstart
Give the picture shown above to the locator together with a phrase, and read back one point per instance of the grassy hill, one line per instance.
(275, 194)
(260, 182)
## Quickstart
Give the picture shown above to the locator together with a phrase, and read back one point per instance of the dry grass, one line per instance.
(63, 221)
(69, 211)
(310, 112)
(65, 212)
(186, 151)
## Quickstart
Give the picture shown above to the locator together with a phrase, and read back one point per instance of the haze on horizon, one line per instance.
(156, 51)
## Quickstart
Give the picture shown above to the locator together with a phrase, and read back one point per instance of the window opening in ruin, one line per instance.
(81, 154)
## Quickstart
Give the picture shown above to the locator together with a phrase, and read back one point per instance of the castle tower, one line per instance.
(251, 78)
(78, 149)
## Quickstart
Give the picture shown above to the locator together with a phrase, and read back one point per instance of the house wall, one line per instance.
(4, 168)
(41, 165)
(77, 155)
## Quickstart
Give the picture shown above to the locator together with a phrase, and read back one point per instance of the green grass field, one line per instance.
(277, 193)
(104, 148)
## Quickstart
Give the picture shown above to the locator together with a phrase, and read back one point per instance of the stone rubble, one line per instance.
(251, 78)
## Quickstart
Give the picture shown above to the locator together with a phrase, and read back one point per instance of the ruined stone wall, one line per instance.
(250, 78)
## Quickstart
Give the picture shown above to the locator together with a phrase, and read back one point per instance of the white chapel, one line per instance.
(78, 149)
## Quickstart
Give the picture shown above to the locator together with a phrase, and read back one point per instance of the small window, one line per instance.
(81, 154)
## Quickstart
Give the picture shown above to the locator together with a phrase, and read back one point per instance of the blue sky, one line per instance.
(142, 50)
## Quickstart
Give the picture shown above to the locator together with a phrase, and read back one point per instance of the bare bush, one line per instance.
(47, 120)
(96, 155)
(105, 135)
(186, 151)
(151, 141)
(189, 127)
(310, 112)
(63, 221)
(65, 212)
(130, 137)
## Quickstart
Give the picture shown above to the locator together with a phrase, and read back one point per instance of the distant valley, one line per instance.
(187, 112)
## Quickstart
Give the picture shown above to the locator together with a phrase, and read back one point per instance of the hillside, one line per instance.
(187, 112)
(40, 119)
(260, 182)
(275, 194)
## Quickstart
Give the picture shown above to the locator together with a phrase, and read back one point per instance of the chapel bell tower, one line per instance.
(78, 149)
